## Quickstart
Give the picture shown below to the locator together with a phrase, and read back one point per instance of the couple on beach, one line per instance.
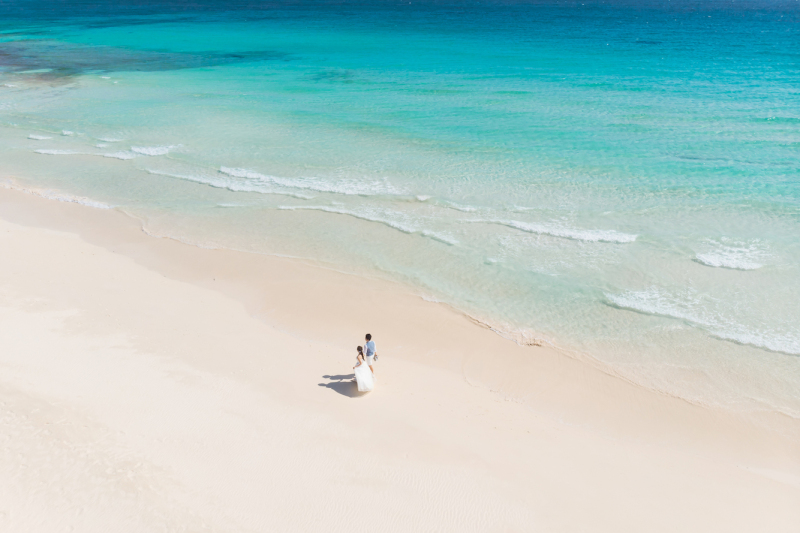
(365, 361)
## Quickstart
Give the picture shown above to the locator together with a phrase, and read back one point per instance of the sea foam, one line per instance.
(231, 185)
(120, 155)
(378, 218)
(56, 195)
(57, 152)
(38, 137)
(345, 187)
(152, 150)
(567, 233)
(737, 256)
(689, 310)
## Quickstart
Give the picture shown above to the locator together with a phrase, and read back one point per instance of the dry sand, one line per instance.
(147, 385)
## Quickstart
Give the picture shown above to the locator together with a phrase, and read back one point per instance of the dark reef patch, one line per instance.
(59, 60)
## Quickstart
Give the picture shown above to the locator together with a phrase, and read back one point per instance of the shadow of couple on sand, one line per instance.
(343, 384)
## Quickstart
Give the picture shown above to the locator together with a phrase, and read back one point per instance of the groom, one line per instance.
(369, 351)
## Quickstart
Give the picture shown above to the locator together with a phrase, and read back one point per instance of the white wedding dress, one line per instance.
(364, 377)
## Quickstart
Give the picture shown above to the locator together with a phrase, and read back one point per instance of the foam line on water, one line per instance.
(59, 152)
(737, 256)
(653, 302)
(120, 155)
(345, 187)
(399, 226)
(50, 194)
(152, 150)
(38, 137)
(723, 260)
(228, 184)
(587, 235)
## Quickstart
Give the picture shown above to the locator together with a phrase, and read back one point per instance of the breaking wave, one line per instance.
(225, 183)
(120, 155)
(152, 150)
(400, 226)
(653, 302)
(346, 187)
(58, 152)
(738, 256)
(568, 233)
(56, 195)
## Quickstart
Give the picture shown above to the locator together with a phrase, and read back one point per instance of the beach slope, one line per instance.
(146, 385)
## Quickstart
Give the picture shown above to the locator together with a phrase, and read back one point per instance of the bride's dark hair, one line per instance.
(360, 350)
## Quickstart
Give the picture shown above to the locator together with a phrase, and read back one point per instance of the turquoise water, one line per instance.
(622, 182)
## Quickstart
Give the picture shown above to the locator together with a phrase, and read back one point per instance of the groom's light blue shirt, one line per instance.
(370, 346)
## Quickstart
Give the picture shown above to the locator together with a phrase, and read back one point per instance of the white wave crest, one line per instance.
(400, 226)
(231, 185)
(688, 309)
(109, 139)
(56, 195)
(9, 85)
(57, 152)
(51, 195)
(346, 187)
(152, 150)
(67, 133)
(120, 155)
(737, 256)
(722, 260)
(588, 235)
(38, 137)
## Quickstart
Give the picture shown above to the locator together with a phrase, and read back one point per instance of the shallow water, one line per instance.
(620, 181)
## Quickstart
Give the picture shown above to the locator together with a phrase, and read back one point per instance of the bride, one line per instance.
(364, 377)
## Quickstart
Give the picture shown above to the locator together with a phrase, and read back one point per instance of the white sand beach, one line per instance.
(148, 385)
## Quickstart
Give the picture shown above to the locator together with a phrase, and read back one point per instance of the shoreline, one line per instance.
(244, 282)
(530, 339)
(438, 370)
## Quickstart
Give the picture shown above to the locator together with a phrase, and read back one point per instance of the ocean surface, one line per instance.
(618, 179)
